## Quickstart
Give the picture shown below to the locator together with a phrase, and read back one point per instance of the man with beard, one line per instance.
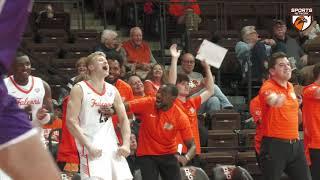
(32, 93)
(281, 150)
(124, 89)
(161, 120)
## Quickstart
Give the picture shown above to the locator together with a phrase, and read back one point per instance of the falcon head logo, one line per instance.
(299, 22)
(301, 18)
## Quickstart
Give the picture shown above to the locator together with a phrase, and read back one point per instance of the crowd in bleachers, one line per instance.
(58, 55)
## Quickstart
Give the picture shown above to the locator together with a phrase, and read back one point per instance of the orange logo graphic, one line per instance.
(301, 18)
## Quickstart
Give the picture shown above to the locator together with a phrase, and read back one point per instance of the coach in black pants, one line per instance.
(281, 150)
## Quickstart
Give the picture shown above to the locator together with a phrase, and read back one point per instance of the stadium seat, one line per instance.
(76, 50)
(224, 120)
(248, 161)
(212, 159)
(226, 172)
(220, 139)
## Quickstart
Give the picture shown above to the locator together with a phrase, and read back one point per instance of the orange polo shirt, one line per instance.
(150, 87)
(126, 94)
(67, 151)
(158, 130)
(137, 54)
(190, 108)
(255, 111)
(279, 122)
(178, 9)
(311, 115)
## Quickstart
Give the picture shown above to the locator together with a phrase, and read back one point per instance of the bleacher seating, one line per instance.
(223, 120)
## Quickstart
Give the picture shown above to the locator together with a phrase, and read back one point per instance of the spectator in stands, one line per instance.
(47, 12)
(161, 120)
(81, 69)
(137, 86)
(110, 45)
(155, 78)
(253, 49)
(215, 102)
(311, 122)
(131, 159)
(55, 124)
(284, 43)
(139, 56)
(310, 33)
(177, 8)
(190, 105)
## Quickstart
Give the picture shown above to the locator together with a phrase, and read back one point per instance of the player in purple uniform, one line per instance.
(22, 156)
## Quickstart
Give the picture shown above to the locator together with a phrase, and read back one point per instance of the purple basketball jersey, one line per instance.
(14, 123)
(13, 18)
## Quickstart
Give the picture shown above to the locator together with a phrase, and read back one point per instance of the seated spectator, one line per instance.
(111, 46)
(55, 124)
(137, 86)
(155, 78)
(177, 8)
(46, 13)
(310, 33)
(81, 68)
(139, 58)
(253, 49)
(215, 102)
(131, 159)
(284, 43)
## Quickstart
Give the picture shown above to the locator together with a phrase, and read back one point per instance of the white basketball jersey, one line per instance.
(100, 132)
(31, 94)
(90, 118)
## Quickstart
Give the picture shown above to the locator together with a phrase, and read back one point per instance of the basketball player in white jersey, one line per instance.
(100, 156)
(32, 93)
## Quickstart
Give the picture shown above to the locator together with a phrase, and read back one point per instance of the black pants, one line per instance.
(277, 156)
(315, 163)
(166, 165)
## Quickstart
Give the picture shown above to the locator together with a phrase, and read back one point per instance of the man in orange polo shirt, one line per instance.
(281, 150)
(191, 105)
(138, 53)
(311, 121)
(161, 120)
(255, 111)
(115, 65)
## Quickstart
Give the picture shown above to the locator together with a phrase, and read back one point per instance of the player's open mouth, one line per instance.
(105, 68)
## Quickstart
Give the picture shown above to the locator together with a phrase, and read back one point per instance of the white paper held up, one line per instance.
(212, 53)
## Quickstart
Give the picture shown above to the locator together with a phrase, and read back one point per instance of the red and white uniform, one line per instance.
(31, 94)
(101, 134)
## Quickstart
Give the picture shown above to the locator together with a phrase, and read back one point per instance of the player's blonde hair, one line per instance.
(93, 56)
